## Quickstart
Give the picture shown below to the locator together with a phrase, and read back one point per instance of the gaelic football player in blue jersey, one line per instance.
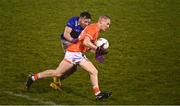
(72, 30)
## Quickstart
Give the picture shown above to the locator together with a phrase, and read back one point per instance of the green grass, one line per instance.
(142, 67)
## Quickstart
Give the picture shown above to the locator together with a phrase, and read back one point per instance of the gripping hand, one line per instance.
(100, 52)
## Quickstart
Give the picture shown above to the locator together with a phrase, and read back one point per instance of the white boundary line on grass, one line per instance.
(28, 98)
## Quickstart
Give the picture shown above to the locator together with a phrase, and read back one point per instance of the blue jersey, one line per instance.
(76, 28)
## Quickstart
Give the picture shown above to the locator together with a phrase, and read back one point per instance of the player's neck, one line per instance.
(98, 25)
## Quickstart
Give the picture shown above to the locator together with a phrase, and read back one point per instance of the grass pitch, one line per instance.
(142, 67)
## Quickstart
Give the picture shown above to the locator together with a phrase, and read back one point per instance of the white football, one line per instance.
(102, 41)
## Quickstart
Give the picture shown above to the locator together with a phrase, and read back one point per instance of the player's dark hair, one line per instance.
(85, 14)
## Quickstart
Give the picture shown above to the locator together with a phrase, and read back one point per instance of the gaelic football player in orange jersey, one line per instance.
(75, 55)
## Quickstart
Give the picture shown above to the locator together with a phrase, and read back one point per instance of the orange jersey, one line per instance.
(91, 31)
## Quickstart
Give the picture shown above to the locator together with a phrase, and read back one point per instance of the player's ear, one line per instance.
(80, 19)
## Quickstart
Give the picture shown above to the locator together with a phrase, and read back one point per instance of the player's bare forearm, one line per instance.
(67, 32)
(87, 42)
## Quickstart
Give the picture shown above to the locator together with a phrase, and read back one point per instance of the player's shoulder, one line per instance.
(92, 26)
(72, 22)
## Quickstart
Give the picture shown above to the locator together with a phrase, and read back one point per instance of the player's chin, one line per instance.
(105, 29)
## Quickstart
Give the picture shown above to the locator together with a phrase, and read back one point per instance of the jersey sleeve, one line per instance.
(71, 23)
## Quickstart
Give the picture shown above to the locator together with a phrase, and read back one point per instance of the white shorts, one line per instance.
(74, 57)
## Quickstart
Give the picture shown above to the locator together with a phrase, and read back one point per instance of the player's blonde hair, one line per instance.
(104, 17)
